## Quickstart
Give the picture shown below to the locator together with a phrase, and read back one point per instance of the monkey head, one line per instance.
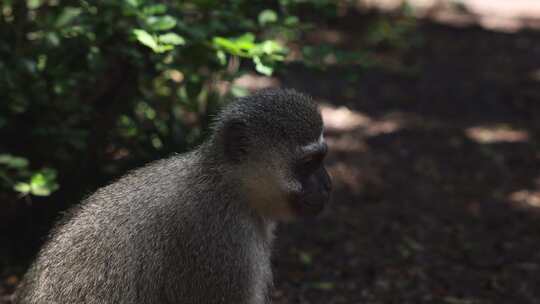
(273, 144)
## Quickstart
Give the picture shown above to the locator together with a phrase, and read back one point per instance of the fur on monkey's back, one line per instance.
(135, 241)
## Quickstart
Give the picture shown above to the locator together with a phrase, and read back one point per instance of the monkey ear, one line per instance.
(235, 140)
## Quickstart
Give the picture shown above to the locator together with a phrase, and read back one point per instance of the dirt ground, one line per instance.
(437, 178)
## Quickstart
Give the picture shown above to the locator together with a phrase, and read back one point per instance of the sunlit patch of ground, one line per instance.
(347, 131)
(503, 15)
(343, 119)
(496, 134)
(340, 119)
(535, 75)
(253, 82)
(526, 198)
(349, 176)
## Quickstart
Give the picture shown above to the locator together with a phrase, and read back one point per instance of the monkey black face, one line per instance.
(316, 185)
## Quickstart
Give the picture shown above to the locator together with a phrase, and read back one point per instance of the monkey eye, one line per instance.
(311, 162)
(312, 159)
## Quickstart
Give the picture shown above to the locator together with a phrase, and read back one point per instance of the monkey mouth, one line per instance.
(310, 207)
(314, 204)
(318, 200)
(308, 204)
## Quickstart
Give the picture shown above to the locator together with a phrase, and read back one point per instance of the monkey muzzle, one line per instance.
(312, 203)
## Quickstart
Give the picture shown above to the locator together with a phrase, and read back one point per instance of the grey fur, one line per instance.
(179, 230)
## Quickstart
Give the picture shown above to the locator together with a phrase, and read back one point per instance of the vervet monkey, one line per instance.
(193, 228)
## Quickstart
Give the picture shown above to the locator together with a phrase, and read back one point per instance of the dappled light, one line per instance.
(496, 134)
(346, 143)
(526, 198)
(383, 126)
(535, 75)
(343, 119)
(253, 82)
(350, 177)
(338, 119)
(327, 36)
(500, 15)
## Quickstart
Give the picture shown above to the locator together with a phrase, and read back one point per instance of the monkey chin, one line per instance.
(307, 209)
(276, 202)
(286, 210)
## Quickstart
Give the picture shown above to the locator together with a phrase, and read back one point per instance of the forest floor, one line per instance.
(436, 169)
(437, 176)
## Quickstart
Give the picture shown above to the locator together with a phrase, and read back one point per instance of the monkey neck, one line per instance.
(265, 226)
(222, 178)
(211, 159)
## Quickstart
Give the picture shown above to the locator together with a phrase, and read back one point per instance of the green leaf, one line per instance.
(38, 180)
(164, 48)
(49, 174)
(13, 162)
(133, 3)
(242, 46)
(291, 21)
(224, 43)
(222, 58)
(67, 16)
(271, 47)
(305, 258)
(161, 23)
(171, 38)
(262, 68)
(246, 38)
(145, 38)
(41, 62)
(40, 191)
(267, 16)
(154, 9)
(22, 188)
(34, 4)
(18, 163)
(53, 39)
(43, 182)
(245, 44)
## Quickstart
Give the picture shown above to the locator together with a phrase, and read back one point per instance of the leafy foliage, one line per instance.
(14, 173)
(98, 86)
(119, 80)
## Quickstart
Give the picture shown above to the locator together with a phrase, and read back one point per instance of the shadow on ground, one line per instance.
(437, 174)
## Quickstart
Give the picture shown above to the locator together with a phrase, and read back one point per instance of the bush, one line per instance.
(92, 88)
(98, 85)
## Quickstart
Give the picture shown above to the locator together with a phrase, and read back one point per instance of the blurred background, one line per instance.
(432, 109)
